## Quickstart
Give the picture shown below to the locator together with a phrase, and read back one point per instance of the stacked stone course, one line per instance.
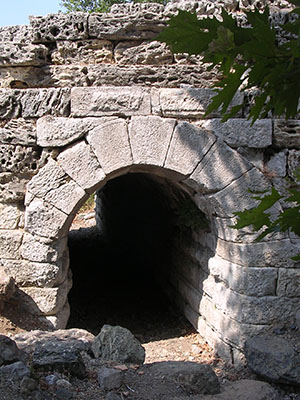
(85, 98)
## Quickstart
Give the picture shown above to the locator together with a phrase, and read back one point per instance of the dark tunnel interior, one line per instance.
(117, 268)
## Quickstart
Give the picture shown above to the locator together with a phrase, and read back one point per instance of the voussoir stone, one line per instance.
(115, 343)
(107, 101)
(273, 358)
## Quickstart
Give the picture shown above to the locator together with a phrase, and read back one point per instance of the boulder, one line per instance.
(115, 343)
(9, 352)
(274, 359)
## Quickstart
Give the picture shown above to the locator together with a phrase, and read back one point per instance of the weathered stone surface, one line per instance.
(110, 101)
(16, 54)
(19, 159)
(150, 138)
(46, 301)
(147, 10)
(146, 53)
(9, 216)
(293, 163)
(52, 27)
(110, 143)
(9, 352)
(33, 103)
(187, 102)
(61, 318)
(129, 27)
(15, 371)
(288, 282)
(16, 34)
(297, 318)
(7, 285)
(220, 167)
(276, 166)
(10, 243)
(286, 134)
(39, 249)
(18, 131)
(188, 146)
(83, 52)
(58, 356)
(58, 132)
(239, 132)
(234, 197)
(43, 219)
(12, 187)
(109, 378)
(273, 359)
(115, 343)
(246, 389)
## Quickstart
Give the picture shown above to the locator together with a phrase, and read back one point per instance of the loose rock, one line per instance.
(9, 352)
(109, 378)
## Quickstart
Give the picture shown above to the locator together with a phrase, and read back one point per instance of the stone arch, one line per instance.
(228, 308)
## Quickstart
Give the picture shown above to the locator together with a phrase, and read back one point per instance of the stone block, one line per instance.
(43, 219)
(19, 159)
(83, 52)
(81, 164)
(16, 34)
(219, 167)
(129, 27)
(106, 101)
(53, 27)
(286, 134)
(288, 282)
(12, 187)
(190, 294)
(110, 143)
(249, 281)
(58, 132)
(264, 310)
(9, 216)
(109, 378)
(60, 319)
(146, 53)
(275, 253)
(10, 243)
(188, 102)
(188, 146)
(46, 301)
(42, 250)
(276, 166)
(238, 132)
(22, 54)
(10, 107)
(18, 131)
(235, 197)
(150, 138)
(293, 163)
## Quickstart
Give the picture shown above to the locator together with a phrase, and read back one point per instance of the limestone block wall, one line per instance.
(86, 98)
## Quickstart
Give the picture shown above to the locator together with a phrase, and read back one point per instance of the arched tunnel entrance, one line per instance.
(125, 270)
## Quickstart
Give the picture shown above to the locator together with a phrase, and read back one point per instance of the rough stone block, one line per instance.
(189, 145)
(219, 167)
(18, 131)
(19, 159)
(9, 216)
(289, 282)
(60, 319)
(17, 54)
(275, 253)
(46, 301)
(249, 281)
(16, 34)
(150, 138)
(10, 243)
(53, 27)
(238, 132)
(40, 249)
(45, 220)
(276, 166)
(110, 143)
(81, 164)
(234, 197)
(129, 27)
(187, 103)
(9, 104)
(107, 101)
(293, 163)
(286, 134)
(58, 132)
(83, 52)
(109, 378)
(146, 53)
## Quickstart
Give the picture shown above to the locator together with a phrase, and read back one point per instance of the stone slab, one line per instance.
(150, 138)
(81, 164)
(188, 146)
(10, 243)
(22, 54)
(237, 132)
(219, 167)
(106, 101)
(110, 143)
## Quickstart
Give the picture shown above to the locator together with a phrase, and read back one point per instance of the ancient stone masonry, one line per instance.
(86, 98)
